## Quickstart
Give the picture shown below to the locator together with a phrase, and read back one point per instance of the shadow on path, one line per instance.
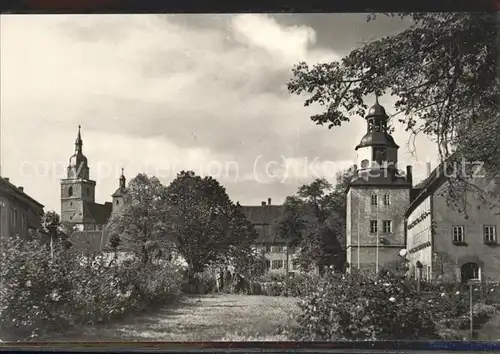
(196, 318)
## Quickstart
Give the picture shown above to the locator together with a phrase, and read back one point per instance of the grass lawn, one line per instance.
(200, 318)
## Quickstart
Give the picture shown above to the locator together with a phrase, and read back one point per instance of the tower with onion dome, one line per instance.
(377, 199)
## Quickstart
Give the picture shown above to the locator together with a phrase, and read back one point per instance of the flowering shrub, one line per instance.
(43, 292)
(357, 307)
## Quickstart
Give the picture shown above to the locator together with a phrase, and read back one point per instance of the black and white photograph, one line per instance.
(249, 177)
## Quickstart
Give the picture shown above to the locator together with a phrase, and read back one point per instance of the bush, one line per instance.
(357, 308)
(40, 294)
(201, 283)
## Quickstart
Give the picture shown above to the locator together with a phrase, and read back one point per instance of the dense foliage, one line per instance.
(357, 307)
(313, 222)
(48, 287)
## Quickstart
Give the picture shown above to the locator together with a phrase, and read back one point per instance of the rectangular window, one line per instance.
(16, 219)
(23, 220)
(373, 226)
(387, 199)
(277, 264)
(374, 199)
(428, 273)
(277, 249)
(295, 266)
(88, 192)
(458, 234)
(387, 225)
(12, 216)
(490, 233)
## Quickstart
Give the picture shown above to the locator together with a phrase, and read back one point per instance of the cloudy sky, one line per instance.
(162, 93)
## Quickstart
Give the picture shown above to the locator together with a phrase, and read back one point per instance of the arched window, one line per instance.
(70, 191)
(470, 271)
(117, 202)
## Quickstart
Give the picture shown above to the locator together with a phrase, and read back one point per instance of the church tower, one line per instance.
(376, 199)
(120, 195)
(77, 189)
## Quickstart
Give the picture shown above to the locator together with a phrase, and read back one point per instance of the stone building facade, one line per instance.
(453, 245)
(376, 199)
(19, 213)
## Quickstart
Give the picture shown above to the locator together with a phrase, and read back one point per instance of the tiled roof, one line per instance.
(100, 213)
(262, 214)
(263, 218)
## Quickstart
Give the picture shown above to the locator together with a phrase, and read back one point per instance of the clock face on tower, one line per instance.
(365, 163)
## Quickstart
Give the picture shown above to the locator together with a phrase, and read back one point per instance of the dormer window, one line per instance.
(70, 191)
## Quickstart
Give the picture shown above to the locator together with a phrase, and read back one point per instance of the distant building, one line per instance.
(263, 217)
(19, 213)
(448, 244)
(376, 199)
(78, 206)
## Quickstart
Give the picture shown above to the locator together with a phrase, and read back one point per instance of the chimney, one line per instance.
(21, 189)
(268, 201)
(263, 203)
(409, 174)
(428, 169)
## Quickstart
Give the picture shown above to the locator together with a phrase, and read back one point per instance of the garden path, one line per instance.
(199, 318)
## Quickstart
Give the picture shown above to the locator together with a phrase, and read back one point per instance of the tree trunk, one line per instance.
(52, 248)
(287, 268)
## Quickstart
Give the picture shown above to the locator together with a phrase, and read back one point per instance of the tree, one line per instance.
(314, 221)
(242, 238)
(443, 71)
(141, 225)
(199, 220)
(52, 232)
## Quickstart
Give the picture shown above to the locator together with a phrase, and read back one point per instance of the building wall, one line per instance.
(278, 253)
(448, 257)
(118, 204)
(360, 212)
(419, 238)
(18, 215)
(72, 207)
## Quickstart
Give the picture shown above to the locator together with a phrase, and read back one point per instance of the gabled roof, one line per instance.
(436, 179)
(99, 212)
(16, 192)
(262, 214)
(263, 218)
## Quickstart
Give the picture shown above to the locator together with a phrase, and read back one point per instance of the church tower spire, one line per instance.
(77, 189)
(122, 180)
(78, 142)
(120, 195)
(78, 165)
